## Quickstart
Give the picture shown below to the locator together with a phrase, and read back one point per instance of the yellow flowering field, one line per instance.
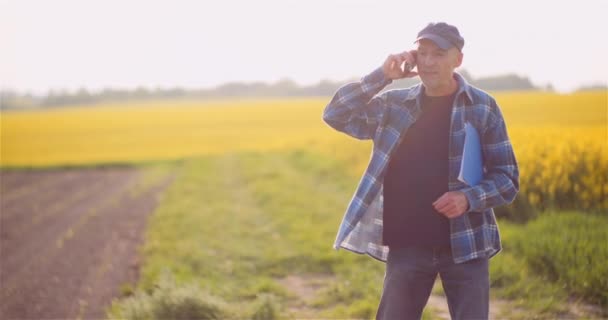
(560, 140)
(132, 132)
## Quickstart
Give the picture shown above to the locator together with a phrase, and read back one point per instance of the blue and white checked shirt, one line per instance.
(359, 111)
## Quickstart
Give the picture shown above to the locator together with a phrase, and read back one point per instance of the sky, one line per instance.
(95, 44)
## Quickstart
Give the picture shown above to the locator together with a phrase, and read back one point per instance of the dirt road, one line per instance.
(69, 239)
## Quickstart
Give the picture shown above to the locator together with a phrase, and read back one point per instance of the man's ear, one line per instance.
(459, 57)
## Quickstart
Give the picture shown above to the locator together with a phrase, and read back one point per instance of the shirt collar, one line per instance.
(415, 93)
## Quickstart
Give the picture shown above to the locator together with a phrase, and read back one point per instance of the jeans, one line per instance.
(410, 275)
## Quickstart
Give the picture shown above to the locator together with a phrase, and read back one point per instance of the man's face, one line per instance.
(436, 65)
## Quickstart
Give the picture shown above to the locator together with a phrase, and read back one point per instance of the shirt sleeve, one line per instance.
(355, 109)
(500, 183)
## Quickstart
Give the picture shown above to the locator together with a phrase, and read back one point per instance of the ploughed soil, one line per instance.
(69, 239)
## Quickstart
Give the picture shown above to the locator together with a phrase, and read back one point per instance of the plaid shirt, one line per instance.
(359, 111)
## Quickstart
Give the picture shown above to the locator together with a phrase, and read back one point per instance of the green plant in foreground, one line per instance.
(170, 301)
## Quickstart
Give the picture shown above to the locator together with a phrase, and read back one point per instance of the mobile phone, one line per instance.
(407, 67)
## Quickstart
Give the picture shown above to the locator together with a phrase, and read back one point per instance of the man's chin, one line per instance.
(428, 83)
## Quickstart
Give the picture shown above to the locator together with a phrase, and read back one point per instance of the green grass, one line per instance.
(569, 249)
(550, 263)
(511, 278)
(232, 228)
(236, 225)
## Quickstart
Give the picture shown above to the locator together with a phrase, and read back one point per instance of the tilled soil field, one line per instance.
(69, 239)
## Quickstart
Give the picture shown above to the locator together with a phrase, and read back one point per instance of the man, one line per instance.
(410, 209)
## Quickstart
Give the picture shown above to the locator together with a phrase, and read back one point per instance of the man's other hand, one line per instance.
(452, 204)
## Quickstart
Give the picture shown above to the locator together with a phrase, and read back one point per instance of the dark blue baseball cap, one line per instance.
(442, 34)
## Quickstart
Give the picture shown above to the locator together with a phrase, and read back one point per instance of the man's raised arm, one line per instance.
(355, 109)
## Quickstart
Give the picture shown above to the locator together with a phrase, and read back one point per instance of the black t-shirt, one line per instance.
(416, 176)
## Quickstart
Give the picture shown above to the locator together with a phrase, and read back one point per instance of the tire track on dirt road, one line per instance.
(15, 187)
(99, 239)
(19, 242)
(54, 188)
(28, 214)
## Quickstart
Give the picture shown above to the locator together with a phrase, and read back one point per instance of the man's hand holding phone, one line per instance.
(398, 66)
